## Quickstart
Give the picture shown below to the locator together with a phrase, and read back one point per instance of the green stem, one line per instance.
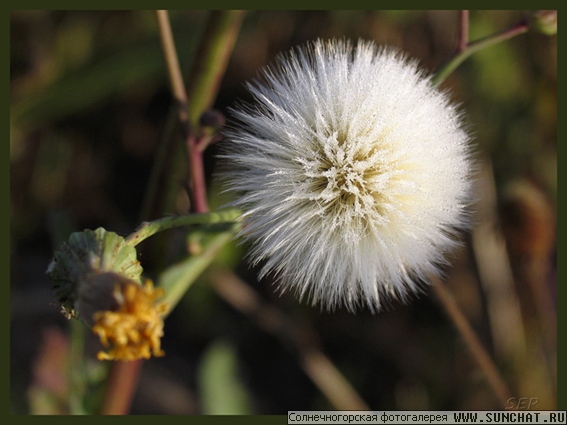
(177, 279)
(149, 228)
(209, 67)
(211, 61)
(461, 54)
(212, 58)
(172, 62)
(123, 377)
(78, 375)
(159, 166)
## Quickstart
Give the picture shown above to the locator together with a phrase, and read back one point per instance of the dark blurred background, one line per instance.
(89, 103)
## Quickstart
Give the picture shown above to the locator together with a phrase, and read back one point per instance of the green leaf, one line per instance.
(222, 392)
(177, 279)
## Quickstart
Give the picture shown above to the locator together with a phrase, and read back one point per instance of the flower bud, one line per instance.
(212, 118)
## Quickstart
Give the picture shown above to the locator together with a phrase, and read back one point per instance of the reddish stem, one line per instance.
(199, 186)
(463, 39)
(121, 387)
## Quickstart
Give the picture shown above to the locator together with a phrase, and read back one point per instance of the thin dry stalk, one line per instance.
(481, 356)
(317, 366)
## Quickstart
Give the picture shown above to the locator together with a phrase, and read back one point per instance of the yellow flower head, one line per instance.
(132, 330)
(96, 277)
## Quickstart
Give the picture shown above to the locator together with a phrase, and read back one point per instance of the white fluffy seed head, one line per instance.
(353, 173)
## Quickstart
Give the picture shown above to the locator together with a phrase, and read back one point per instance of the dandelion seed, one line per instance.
(353, 173)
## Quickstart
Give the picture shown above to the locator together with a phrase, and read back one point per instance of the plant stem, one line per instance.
(211, 61)
(479, 353)
(172, 63)
(163, 153)
(176, 280)
(121, 387)
(463, 38)
(314, 362)
(465, 49)
(199, 203)
(78, 376)
(197, 170)
(209, 67)
(149, 228)
(123, 376)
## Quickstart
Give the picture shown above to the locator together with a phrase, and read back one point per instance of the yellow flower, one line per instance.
(133, 329)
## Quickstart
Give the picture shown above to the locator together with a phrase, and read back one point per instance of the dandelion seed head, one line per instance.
(353, 173)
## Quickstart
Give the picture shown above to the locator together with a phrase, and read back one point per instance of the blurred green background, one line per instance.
(89, 105)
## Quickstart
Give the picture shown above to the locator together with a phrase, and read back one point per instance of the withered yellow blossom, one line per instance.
(133, 328)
